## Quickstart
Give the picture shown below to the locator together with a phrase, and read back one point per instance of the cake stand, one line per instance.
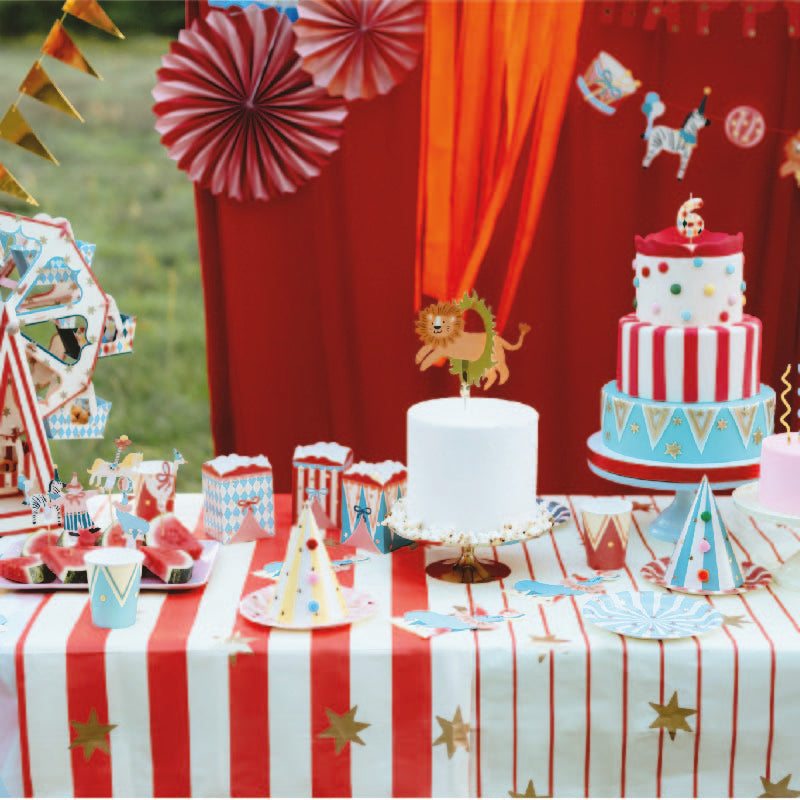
(745, 498)
(678, 478)
(467, 567)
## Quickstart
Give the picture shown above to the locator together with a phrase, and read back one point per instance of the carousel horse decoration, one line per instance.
(680, 141)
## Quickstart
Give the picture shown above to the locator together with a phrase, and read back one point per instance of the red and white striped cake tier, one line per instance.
(676, 364)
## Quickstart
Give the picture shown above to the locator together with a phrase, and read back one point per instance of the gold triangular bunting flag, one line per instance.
(10, 185)
(15, 129)
(622, 410)
(59, 45)
(701, 423)
(656, 419)
(770, 410)
(38, 85)
(90, 11)
(744, 417)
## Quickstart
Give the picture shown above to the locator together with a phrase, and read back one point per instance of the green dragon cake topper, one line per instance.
(473, 356)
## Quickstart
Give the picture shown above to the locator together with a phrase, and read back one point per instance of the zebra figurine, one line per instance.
(681, 141)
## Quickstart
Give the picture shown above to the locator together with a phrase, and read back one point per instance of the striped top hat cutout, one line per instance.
(308, 593)
(703, 559)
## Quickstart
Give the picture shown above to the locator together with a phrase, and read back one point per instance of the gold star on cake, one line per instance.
(672, 716)
(455, 733)
(758, 436)
(529, 792)
(608, 406)
(343, 728)
(779, 789)
(673, 450)
(734, 620)
(91, 735)
(722, 424)
(634, 427)
(677, 420)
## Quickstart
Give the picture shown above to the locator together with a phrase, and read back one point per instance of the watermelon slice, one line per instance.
(67, 563)
(113, 536)
(167, 563)
(40, 539)
(25, 569)
(167, 530)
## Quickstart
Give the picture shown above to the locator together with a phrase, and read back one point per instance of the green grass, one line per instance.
(119, 189)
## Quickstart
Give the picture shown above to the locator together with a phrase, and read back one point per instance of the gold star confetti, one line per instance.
(779, 789)
(455, 733)
(672, 716)
(236, 644)
(721, 425)
(529, 792)
(758, 436)
(673, 450)
(343, 728)
(91, 735)
(734, 620)
(6, 411)
(634, 427)
(677, 420)
(551, 638)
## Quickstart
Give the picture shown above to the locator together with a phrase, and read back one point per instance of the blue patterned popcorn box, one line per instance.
(76, 420)
(238, 498)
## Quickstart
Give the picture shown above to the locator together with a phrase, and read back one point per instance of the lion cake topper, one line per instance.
(473, 356)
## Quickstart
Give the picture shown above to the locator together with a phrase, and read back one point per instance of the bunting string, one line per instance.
(37, 84)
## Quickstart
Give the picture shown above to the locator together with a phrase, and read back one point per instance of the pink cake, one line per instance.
(779, 484)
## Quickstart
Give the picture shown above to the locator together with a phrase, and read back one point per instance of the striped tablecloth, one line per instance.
(194, 700)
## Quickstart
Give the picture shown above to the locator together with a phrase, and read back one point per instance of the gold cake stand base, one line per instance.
(468, 568)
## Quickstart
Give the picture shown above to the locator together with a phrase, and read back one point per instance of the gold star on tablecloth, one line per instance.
(343, 728)
(758, 436)
(672, 716)
(722, 424)
(734, 620)
(634, 427)
(549, 639)
(235, 644)
(91, 735)
(529, 792)
(779, 789)
(455, 733)
(673, 450)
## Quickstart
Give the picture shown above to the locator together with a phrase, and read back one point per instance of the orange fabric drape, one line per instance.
(495, 78)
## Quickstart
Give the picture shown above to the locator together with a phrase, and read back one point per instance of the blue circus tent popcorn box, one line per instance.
(370, 491)
(238, 498)
(317, 476)
(703, 560)
(79, 419)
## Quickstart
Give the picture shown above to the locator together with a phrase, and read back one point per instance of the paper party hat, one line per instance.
(703, 559)
(308, 593)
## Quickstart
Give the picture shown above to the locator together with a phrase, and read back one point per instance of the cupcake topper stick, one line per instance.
(785, 402)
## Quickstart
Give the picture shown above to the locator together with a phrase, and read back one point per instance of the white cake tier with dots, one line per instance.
(689, 364)
(472, 466)
(696, 284)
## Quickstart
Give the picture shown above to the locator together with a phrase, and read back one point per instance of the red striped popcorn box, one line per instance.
(238, 495)
(370, 491)
(156, 488)
(317, 475)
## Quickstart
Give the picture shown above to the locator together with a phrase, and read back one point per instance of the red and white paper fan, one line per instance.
(237, 111)
(359, 48)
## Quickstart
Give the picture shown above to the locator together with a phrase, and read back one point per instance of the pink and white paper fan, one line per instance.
(237, 111)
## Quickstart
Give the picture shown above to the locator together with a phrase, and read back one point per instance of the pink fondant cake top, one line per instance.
(670, 242)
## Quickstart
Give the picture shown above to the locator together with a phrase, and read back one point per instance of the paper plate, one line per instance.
(255, 607)
(745, 498)
(651, 615)
(755, 577)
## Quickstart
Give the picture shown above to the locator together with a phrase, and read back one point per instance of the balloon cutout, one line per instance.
(237, 111)
(744, 126)
(359, 48)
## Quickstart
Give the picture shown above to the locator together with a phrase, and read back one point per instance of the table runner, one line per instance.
(194, 700)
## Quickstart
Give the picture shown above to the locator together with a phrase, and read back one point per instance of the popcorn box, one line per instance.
(317, 475)
(234, 488)
(155, 493)
(76, 421)
(370, 491)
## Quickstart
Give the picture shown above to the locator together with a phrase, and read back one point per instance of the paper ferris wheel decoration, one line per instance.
(359, 48)
(237, 111)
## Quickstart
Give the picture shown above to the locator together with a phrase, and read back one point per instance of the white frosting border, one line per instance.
(399, 521)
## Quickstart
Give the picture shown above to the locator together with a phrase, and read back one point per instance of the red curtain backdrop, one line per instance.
(310, 297)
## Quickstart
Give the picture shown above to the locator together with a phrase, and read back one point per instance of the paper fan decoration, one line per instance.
(237, 111)
(359, 48)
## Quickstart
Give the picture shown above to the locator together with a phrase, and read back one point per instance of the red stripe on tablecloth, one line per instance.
(633, 360)
(169, 693)
(659, 372)
(330, 689)
(690, 356)
(721, 389)
(411, 698)
(767, 540)
(19, 659)
(86, 692)
(747, 382)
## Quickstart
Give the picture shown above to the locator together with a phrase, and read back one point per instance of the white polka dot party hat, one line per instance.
(308, 594)
(703, 560)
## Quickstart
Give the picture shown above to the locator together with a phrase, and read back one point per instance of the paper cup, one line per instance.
(114, 576)
(606, 521)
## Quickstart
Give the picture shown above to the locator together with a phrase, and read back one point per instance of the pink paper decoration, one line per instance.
(744, 126)
(359, 48)
(237, 111)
